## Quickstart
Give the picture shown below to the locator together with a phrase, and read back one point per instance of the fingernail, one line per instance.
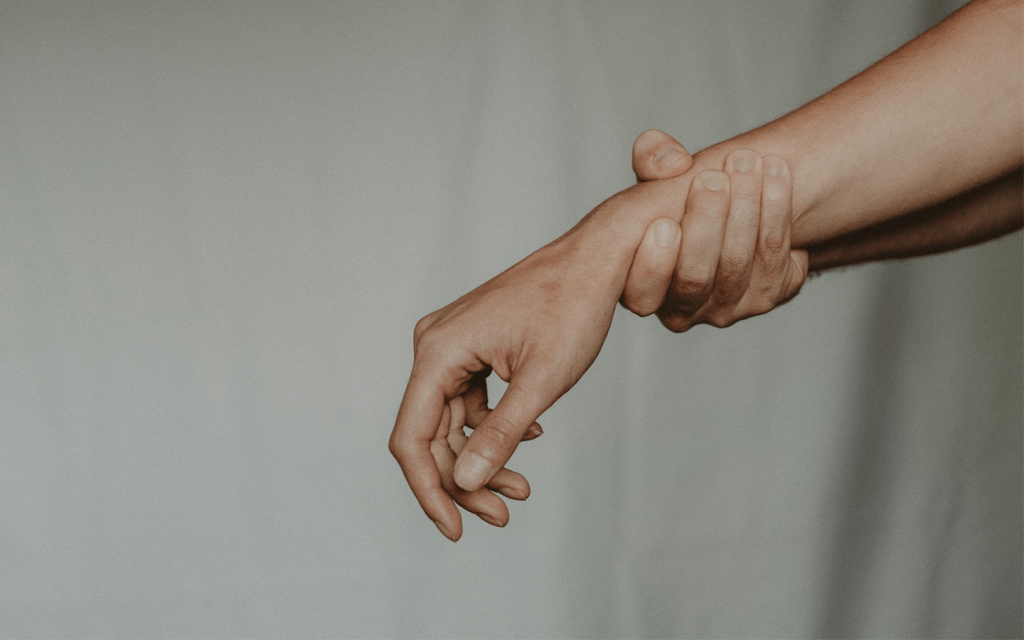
(742, 160)
(665, 233)
(534, 431)
(714, 180)
(472, 471)
(444, 531)
(667, 157)
(490, 520)
(509, 492)
(773, 165)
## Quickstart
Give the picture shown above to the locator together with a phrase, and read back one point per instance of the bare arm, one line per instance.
(934, 120)
(918, 154)
(942, 115)
(937, 118)
(981, 214)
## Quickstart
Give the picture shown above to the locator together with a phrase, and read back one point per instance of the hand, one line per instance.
(538, 326)
(470, 410)
(731, 259)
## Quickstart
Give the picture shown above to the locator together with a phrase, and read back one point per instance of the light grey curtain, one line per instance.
(220, 221)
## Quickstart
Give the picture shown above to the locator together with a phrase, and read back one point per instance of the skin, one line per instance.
(932, 123)
(555, 309)
(981, 214)
(556, 306)
(918, 154)
(723, 270)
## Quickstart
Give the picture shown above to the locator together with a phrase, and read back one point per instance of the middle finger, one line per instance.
(703, 225)
(734, 267)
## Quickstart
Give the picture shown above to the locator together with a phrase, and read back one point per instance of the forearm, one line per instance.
(981, 214)
(935, 119)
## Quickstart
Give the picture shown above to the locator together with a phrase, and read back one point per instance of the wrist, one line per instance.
(767, 141)
(607, 238)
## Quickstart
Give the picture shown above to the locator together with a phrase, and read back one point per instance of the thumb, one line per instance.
(657, 155)
(495, 439)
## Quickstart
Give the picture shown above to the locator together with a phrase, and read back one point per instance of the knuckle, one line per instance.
(631, 299)
(761, 302)
(439, 447)
(397, 448)
(425, 336)
(626, 303)
(421, 328)
(498, 442)
(732, 267)
(761, 307)
(675, 323)
(725, 297)
(643, 301)
(691, 288)
(721, 320)
(645, 310)
(773, 243)
(639, 306)
(727, 293)
(765, 262)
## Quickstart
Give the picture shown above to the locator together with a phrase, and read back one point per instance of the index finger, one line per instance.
(654, 263)
(419, 415)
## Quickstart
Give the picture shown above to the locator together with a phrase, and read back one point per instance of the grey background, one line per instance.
(220, 221)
